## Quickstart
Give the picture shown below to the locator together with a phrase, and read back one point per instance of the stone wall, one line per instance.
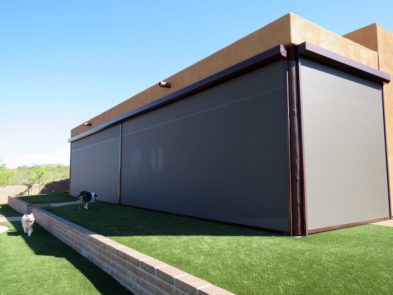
(139, 273)
(18, 205)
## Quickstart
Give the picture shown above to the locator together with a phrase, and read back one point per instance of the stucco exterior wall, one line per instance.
(366, 36)
(303, 30)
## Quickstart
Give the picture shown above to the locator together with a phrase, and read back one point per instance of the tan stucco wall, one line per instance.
(289, 29)
(378, 38)
(366, 36)
(303, 30)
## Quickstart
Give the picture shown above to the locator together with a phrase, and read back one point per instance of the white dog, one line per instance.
(27, 223)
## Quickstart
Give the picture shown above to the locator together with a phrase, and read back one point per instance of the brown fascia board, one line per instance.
(335, 60)
(287, 30)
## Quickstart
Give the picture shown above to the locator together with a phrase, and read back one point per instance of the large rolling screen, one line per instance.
(95, 164)
(344, 147)
(221, 154)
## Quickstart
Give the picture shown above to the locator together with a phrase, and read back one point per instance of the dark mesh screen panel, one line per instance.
(220, 154)
(95, 164)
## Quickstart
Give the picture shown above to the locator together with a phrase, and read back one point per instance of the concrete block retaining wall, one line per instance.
(18, 205)
(139, 273)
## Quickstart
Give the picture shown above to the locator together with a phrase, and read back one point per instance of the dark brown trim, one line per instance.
(333, 227)
(248, 65)
(296, 149)
(338, 61)
(386, 151)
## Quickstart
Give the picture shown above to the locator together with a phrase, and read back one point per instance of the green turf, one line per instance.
(357, 260)
(49, 198)
(42, 264)
(7, 211)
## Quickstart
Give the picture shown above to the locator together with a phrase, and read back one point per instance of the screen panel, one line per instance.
(95, 164)
(343, 145)
(221, 154)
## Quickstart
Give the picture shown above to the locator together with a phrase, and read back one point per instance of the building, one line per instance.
(286, 129)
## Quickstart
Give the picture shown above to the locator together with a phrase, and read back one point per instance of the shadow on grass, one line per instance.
(114, 220)
(43, 243)
(7, 211)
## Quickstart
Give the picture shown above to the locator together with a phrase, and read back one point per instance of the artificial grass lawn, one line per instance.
(357, 260)
(42, 264)
(49, 198)
(7, 211)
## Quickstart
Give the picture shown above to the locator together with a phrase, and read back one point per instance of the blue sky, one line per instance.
(63, 62)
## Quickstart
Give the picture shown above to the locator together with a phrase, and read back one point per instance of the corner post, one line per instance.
(299, 226)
